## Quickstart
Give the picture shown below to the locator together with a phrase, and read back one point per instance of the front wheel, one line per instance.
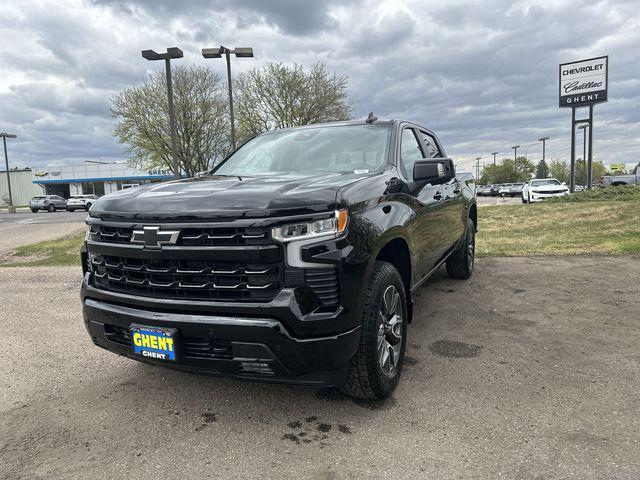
(34, 210)
(523, 199)
(51, 208)
(375, 370)
(460, 263)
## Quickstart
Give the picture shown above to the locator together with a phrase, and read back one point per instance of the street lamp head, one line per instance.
(515, 146)
(172, 53)
(543, 139)
(151, 55)
(8, 135)
(243, 52)
(583, 126)
(211, 53)
(495, 153)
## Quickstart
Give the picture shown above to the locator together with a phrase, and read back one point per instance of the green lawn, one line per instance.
(61, 252)
(570, 228)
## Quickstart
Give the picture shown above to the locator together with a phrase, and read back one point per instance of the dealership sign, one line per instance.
(584, 82)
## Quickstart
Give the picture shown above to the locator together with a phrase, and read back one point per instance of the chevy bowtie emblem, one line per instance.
(153, 237)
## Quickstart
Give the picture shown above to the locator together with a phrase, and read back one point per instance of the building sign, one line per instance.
(584, 82)
(159, 171)
(41, 173)
(617, 167)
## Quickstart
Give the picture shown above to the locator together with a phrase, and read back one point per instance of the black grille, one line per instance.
(188, 279)
(209, 348)
(197, 236)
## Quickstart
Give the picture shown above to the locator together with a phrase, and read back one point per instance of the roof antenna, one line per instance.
(371, 118)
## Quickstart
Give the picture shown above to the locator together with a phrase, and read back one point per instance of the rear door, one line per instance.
(453, 212)
(425, 230)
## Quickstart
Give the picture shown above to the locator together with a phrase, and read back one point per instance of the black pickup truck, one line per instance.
(292, 261)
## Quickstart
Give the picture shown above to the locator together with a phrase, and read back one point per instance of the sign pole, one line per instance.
(590, 165)
(572, 168)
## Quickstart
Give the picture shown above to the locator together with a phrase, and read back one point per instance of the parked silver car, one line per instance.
(50, 203)
(81, 202)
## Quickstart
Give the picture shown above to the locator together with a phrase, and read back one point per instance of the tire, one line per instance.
(87, 207)
(34, 210)
(71, 209)
(460, 263)
(370, 377)
(51, 208)
(523, 200)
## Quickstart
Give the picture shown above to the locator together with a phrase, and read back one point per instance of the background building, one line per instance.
(93, 178)
(22, 188)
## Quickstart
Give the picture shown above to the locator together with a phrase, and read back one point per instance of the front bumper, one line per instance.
(256, 348)
(536, 197)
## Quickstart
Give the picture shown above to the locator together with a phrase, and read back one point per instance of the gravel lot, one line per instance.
(529, 370)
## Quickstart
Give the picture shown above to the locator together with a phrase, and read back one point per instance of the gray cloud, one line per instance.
(483, 75)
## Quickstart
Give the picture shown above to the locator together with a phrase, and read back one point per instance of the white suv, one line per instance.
(541, 188)
(80, 202)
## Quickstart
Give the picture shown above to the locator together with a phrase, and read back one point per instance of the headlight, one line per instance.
(327, 227)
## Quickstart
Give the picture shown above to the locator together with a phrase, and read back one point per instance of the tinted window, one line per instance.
(324, 149)
(549, 181)
(431, 148)
(409, 151)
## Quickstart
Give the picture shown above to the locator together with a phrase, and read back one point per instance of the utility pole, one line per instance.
(515, 162)
(172, 53)
(543, 140)
(245, 52)
(12, 208)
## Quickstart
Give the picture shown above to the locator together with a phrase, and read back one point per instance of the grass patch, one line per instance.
(623, 193)
(564, 228)
(60, 252)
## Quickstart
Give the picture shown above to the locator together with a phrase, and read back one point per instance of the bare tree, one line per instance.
(202, 121)
(280, 96)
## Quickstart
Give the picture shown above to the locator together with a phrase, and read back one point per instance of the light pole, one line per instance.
(586, 177)
(478, 169)
(494, 157)
(242, 52)
(172, 54)
(515, 162)
(4, 136)
(544, 140)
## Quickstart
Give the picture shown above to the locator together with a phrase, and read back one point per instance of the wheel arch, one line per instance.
(396, 251)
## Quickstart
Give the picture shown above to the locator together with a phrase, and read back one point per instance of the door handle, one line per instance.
(437, 196)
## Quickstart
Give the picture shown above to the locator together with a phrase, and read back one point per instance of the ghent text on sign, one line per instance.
(584, 82)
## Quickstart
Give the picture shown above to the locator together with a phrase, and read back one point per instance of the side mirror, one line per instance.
(434, 170)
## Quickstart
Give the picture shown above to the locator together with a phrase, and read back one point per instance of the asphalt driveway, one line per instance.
(529, 370)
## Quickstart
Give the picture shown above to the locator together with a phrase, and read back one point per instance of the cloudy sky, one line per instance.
(483, 75)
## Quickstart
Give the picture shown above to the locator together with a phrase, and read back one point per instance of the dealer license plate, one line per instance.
(154, 342)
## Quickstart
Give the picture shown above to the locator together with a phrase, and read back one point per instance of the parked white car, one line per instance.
(81, 202)
(541, 188)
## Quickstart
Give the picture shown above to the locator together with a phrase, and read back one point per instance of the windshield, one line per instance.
(353, 149)
(547, 181)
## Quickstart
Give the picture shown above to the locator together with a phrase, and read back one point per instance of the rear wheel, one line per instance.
(523, 199)
(34, 210)
(70, 209)
(460, 263)
(51, 208)
(375, 369)
(87, 207)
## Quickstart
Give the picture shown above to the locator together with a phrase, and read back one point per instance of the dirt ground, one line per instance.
(530, 370)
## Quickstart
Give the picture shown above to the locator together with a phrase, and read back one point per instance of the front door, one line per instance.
(425, 230)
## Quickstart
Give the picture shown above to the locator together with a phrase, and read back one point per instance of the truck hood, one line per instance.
(213, 197)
